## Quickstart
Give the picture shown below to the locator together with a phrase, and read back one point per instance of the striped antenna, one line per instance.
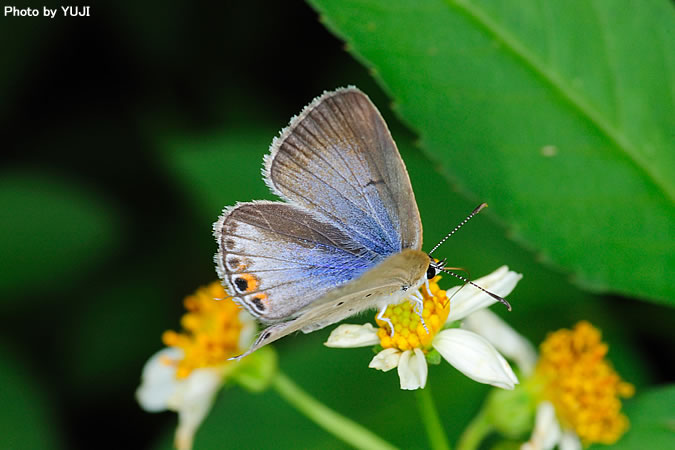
(473, 213)
(495, 296)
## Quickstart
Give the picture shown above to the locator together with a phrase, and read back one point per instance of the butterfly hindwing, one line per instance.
(388, 282)
(276, 258)
(338, 159)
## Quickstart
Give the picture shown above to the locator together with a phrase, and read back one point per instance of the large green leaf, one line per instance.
(652, 421)
(558, 114)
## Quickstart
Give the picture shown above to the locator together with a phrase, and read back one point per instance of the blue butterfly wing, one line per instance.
(338, 160)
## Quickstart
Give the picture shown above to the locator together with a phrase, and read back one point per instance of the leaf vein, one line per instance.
(519, 50)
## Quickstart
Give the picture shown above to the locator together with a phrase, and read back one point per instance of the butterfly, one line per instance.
(347, 236)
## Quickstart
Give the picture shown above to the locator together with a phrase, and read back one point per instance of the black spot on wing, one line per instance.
(257, 301)
(374, 182)
(242, 284)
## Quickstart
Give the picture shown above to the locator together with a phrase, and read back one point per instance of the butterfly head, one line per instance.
(435, 266)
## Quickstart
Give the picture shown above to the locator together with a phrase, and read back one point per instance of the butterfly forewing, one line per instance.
(338, 159)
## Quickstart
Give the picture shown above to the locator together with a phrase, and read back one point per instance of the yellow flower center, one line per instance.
(409, 332)
(582, 385)
(211, 330)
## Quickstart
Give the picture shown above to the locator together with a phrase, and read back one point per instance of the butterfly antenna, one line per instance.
(495, 296)
(473, 213)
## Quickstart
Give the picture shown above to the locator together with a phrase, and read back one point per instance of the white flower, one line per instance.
(584, 376)
(186, 375)
(191, 397)
(470, 353)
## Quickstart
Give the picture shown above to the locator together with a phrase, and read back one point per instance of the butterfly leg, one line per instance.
(419, 307)
(380, 316)
(426, 285)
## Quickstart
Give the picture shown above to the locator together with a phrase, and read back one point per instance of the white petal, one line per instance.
(349, 336)
(190, 397)
(193, 403)
(546, 433)
(386, 360)
(412, 370)
(158, 380)
(475, 357)
(470, 299)
(505, 339)
(569, 441)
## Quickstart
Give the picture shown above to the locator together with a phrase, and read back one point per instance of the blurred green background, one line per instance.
(125, 133)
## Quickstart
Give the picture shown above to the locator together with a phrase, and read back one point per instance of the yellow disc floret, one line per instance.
(211, 330)
(409, 332)
(582, 385)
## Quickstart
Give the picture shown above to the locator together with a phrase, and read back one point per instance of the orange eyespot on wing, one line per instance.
(258, 301)
(245, 282)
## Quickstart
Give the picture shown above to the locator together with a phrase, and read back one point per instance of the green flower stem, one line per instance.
(430, 419)
(339, 426)
(474, 434)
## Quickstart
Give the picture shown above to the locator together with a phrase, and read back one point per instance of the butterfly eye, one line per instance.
(431, 272)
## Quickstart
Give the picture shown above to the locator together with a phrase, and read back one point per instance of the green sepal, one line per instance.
(256, 371)
(433, 357)
(511, 412)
